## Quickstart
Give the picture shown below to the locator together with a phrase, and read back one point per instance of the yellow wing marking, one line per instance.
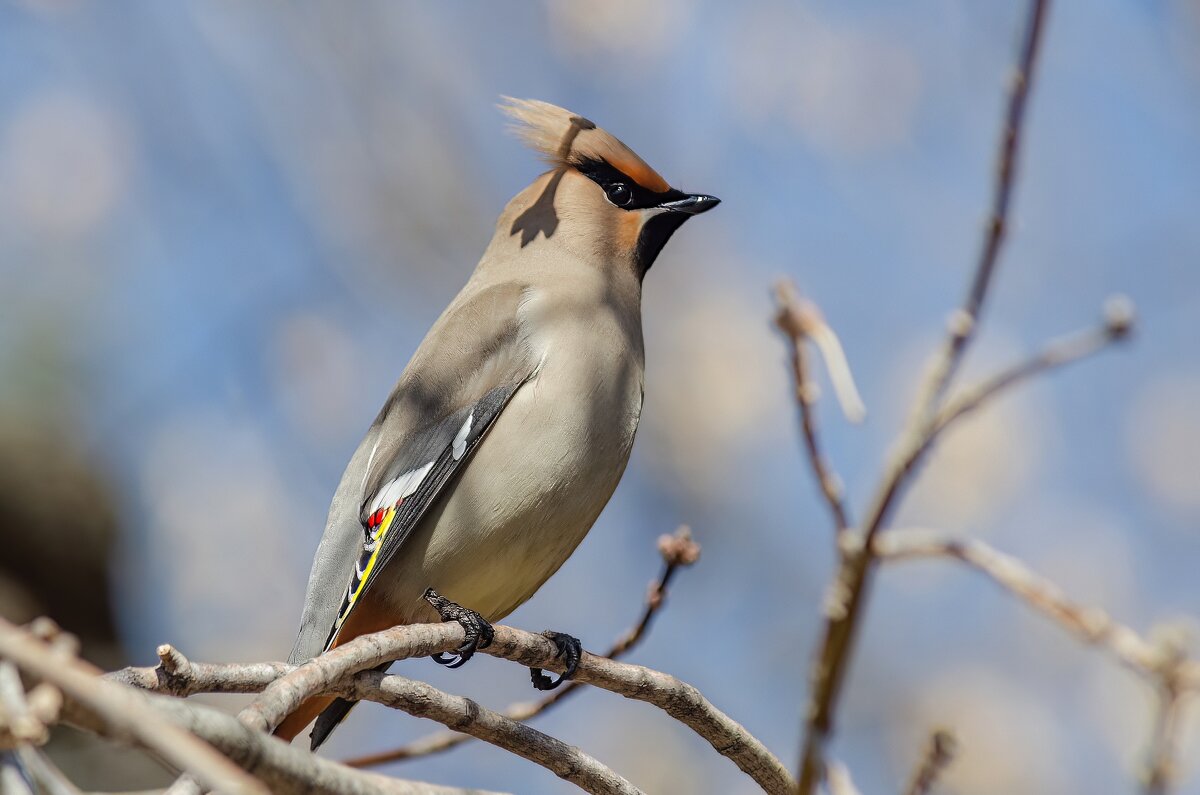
(376, 538)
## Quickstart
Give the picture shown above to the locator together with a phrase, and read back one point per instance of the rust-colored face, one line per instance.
(640, 210)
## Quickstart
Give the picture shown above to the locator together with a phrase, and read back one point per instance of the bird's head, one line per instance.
(599, 196)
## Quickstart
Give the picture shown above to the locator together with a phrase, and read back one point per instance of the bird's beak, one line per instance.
(692, 204)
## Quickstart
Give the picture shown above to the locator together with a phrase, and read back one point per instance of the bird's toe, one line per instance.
(569, 650)
(479, 633)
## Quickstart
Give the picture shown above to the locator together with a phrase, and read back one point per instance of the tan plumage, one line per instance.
(513, 422)
(564, 139)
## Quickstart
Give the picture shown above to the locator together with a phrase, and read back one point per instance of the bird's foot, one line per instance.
(479, 631)
(569, 650)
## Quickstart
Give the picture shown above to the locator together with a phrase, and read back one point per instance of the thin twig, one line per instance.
(18, 725)
(965, 320)
(1118, 323)
(796, 319)
(1160, 773)
(123, 712)
(565, 761)
(847, 595)
(1178, 681)
(677, 550)
(190, 678)
(1090, 624)
(282, 767)
(325, 673)
(938, 754)
(1164, 662)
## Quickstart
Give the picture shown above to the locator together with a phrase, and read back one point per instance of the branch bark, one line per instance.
(1168, 718)
(1091, 625)
(1176, 678)
(123, 714)
(324, 674)
(848, 593)
(677, 550)
(281, 767)
(938, 754)
(1118, 323)
(462, 714)
(797, 319)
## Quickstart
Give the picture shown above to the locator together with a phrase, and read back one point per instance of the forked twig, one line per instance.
(677, 550)
(800, 320)
(124, 712)
(847, 594)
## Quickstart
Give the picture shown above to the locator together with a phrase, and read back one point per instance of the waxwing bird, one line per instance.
(512, 424)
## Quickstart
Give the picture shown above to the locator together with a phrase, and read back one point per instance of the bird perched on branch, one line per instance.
(513, 422)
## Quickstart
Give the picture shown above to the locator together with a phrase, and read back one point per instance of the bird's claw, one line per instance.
(478, 631)
(569, 650)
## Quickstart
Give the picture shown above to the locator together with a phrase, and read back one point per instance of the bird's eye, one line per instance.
(619, 194)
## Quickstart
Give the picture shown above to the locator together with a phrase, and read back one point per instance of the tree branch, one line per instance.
(847, 596)
(798, 319)
(1118, 323)
(938, 754)
(677, 550)
(1091, 625)
(122, 713)
(1168, 720)
(462, 714)
(324, 674)
(281, 767)
(1165, 662)
(965, 320)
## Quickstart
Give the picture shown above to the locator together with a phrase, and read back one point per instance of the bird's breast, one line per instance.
(549, 464)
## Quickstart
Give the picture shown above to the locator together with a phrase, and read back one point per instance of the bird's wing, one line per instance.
(470, 365)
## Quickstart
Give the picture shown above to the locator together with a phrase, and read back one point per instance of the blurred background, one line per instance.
(224, 228)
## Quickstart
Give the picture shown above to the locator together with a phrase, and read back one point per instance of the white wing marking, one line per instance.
(459, 448)
(371, 460)
(400, 487)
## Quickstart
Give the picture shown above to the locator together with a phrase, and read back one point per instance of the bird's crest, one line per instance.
(564, 139)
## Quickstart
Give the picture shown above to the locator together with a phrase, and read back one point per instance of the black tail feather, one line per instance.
(334, 714)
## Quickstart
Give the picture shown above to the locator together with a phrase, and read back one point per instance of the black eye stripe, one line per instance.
(610, 178)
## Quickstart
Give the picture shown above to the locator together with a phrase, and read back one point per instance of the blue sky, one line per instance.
(226, 227)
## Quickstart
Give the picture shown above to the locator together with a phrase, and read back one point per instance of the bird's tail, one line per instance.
(329, 719)
(328, 711)
(305, 714)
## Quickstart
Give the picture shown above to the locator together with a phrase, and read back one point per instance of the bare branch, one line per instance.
(797, 319)
(417, 699)
(123, 713)
(965, 320)
(1058, 353)
(1164, 661)
(847, 594)
(282, 695)
(1090, 624)
(938, 754)
(18, 725)
(465, 715)
(280, 766)
(677, 550)
(678, 699)
(188, 678)
(1168, 720)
